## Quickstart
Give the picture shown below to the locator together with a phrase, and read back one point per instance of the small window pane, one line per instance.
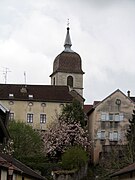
(104, 116)
(110, 117)
(110, 136)
(102, 134)
(42, 118)
(117, 117)
(121, 117)
(115, 136)
(116, 125)
(11, 116)
(29, 118)
(111, 124)
(99, 135)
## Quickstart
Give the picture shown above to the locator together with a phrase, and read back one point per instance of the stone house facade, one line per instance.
(108, 123)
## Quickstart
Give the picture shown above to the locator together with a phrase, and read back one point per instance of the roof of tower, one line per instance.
(68, 61)
(68, 43)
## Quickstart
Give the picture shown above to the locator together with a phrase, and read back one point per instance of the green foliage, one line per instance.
(73, 113)
(27, 142)
(42, 164)
(74, 158)
(131, 130)
(131, 139)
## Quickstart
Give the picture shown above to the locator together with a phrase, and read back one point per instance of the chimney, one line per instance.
(128, 93)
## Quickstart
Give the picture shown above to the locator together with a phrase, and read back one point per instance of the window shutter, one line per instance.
(107, 117)
(110, 136)
(119, 135)
(117, 117)
(115, 136)
(121, 116)
(99, 135)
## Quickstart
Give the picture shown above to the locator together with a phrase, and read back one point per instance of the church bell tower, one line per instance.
(67, 68)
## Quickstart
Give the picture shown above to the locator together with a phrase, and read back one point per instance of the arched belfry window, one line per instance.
(70, 81)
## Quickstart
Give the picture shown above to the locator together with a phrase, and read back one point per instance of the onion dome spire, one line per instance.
(68, 43)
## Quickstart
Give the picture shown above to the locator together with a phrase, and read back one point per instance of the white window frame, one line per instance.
(101, 135)
(30, 118)
(114, 136)
(42, 118)
(11, 116)
(104, 116)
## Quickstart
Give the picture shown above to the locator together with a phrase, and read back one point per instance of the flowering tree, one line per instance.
(61, 135)
(9, 147)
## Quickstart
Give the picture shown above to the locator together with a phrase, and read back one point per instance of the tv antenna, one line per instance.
(5, 73)
(25, 78)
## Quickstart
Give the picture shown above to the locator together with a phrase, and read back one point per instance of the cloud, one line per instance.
(32, 34)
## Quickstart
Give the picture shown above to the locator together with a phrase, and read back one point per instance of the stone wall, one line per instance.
(70, 175)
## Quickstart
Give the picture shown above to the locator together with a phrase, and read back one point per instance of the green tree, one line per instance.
(131, 138)
(73, 113)
(74, 158)
(27, 142)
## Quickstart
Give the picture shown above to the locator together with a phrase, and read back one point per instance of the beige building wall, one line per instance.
(103, 132)
(61, 79)
(22, 108)
(3, 174)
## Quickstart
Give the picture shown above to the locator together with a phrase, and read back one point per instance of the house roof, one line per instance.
(4, 116)
(97, 103)
(6, 160)
(125, 170)
(87, 107)
(45, 93)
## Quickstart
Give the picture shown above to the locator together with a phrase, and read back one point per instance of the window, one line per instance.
(29, 118)
(70, 81)
(30, 96)
(101, 135)
(116, 125)
(42, 118)
(104, 116)
(103, 125)
(11, 116)
(30, 103)
(113, 136)
(111, 117)
(111, 125)
(11, 95)
(121, 117)
(118, 117)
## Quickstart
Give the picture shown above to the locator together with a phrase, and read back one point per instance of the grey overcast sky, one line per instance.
(32, 34)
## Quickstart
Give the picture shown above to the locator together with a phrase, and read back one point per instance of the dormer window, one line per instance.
(11, 95)
(23, 90)
(30, 96)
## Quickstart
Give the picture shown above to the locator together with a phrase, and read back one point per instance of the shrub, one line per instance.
(74, 158)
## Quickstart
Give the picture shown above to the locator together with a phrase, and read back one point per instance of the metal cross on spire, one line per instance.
(68, 22)
(68, 43)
